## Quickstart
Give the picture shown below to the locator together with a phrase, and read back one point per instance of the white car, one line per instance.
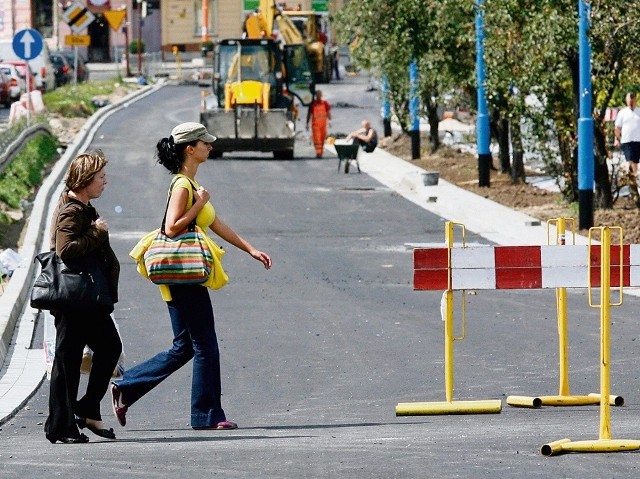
(40, 65)
(18, 84)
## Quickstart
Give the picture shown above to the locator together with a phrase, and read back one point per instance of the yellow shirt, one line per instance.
(207, 214)
(218, 277)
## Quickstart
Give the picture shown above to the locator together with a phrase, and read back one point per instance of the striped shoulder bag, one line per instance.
(183, 259)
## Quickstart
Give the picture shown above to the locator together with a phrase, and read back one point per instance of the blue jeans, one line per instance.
(194, 337)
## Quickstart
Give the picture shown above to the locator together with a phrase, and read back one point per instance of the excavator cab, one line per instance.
(298, 78)
(254, 85)
(246, 75)
(254, 72)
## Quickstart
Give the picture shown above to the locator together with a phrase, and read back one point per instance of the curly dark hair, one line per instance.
(170, 155)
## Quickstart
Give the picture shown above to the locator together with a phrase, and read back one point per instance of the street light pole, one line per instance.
(139, 38)
(482, 121)
(386, 107)
(585, 122)
(126, 28)
(414, 110)
(205, 21)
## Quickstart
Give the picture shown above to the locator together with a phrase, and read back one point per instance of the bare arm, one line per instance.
(616, 133)
(225, 232)
(360, 135)
(354, 134)
(178, 217)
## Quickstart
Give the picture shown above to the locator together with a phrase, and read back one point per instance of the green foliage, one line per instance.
(25, 171)
(133, 46)
(386, 36)
(531, 59)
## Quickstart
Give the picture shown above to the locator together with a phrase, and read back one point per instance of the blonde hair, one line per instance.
(83, 169)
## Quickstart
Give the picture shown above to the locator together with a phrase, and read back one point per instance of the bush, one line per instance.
(133, 46)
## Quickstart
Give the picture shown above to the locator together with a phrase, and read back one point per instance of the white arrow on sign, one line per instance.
(27, 39)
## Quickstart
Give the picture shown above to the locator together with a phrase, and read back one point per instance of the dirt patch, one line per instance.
(461, 168)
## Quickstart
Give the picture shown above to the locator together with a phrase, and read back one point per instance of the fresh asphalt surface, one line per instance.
(317, 352)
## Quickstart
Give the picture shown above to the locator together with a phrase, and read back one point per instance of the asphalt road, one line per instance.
(317, 352)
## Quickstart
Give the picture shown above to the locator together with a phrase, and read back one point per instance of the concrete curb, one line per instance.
(15, 312)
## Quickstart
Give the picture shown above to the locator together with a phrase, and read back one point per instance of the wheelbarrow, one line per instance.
(347, 151)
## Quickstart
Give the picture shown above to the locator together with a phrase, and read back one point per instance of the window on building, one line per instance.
(43, 18)
(197, 19)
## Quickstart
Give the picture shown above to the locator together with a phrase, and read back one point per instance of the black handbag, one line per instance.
(80, 285)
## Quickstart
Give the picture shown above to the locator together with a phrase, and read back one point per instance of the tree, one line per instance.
(435, 34)
(531, 57)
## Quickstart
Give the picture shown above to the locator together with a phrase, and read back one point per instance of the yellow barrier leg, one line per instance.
(604, 443)
(449, 335)
(605, 334)
(561, 307)
(449, 406)
(448, 346)
(564, 397)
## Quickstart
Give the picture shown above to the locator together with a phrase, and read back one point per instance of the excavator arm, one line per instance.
(269, 21)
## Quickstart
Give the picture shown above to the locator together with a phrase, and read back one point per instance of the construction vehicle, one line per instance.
(314, 31)
(256, 81)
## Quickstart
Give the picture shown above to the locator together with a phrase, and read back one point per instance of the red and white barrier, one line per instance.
(522, 267)
(20, 108)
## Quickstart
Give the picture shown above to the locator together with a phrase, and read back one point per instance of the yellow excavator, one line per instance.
(256, 81)
(313, 29)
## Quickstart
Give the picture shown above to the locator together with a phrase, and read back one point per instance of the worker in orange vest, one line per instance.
(319, 115)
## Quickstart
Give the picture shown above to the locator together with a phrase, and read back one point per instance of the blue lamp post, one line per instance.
(385, 110)
(414, 110)
(482, 122)
(585, 122)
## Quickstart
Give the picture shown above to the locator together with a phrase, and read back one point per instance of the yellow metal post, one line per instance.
(605, 333)
(561, 307)
(604, 443)
(448, 321)
(450, 406)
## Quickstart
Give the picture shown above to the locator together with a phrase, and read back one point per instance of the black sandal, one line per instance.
(81, 439)
(106, 433)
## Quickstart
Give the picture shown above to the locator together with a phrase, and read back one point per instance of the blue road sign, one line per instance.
(27, 43)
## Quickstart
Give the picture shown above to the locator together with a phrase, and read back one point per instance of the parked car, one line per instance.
(21, 66)
(62, 70)
(41, 65)
(83, 69)
(18, 83)
(5, 92)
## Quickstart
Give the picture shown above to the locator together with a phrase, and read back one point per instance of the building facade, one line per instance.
(160, 25)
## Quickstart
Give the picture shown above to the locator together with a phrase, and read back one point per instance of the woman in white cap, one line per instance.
(189, 306)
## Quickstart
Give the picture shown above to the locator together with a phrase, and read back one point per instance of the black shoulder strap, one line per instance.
(192, 225)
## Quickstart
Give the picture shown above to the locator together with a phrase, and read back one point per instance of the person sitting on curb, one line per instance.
(366, 136)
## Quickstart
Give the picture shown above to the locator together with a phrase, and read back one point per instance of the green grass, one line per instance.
(76, 102)
(25, 171)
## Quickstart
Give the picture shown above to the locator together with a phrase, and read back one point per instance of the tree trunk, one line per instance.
(502, 128)
(604, 196)
(434, 123)
(517, 168)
